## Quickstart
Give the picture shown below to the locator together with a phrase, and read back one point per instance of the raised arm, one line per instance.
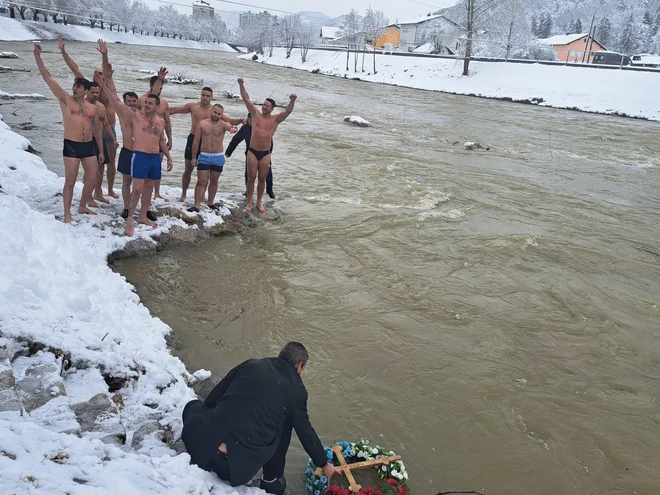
(187, 108)
(107, 68)
(55, 88)
(246, 98)
(69, 61)
(280, 117)
(196, 144)
(158, 85)
(116, 102)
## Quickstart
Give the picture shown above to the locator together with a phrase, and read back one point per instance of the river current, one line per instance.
(491, 315)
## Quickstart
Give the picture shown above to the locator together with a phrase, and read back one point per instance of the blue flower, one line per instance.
(317, 492)
(324, 479)
(330, 455)
(309, 487)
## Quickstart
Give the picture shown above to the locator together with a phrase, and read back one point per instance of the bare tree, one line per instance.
(480, 15)
(288, 28)
(351, 31)
(374, 26)
(307, 34)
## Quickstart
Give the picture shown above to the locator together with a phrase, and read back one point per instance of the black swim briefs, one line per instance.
(124, 162)
(76, 149)
(189, 144)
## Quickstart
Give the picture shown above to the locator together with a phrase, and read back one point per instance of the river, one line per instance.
(491, 315)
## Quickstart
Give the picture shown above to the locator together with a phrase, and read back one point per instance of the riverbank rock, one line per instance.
(8, 55)
(357, 121)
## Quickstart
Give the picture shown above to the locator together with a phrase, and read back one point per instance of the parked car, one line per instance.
(611, 58)
(646, 60)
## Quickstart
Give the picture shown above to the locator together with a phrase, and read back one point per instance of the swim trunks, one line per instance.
(259, 154)
(124, 162)
(109, 139)
(146, 165)
(76, 149)
(211, 161)
(189, 144)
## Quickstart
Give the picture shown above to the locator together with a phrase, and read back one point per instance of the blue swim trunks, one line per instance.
(146, 165)
(211, 161)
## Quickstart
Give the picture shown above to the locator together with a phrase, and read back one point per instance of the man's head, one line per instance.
(99, 71)
(93, 92)
(152, 81)
(216, 112)
(151, 103)
(130, 99)
(296, 355)
(268, 106)
(206, 96)
(80, 85)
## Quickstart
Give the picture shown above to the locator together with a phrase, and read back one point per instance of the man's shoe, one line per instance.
(271, 194)
(276, 487)
(124, 214)
(152, 216)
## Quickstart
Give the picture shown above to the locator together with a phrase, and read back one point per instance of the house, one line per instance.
(572, 47)
(391, 35)
(414, 32)
(329, 33)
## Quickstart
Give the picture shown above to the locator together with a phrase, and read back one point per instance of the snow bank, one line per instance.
(19, 30)
(8, 55)
(617, 92)
(57, 290)
(21, 96)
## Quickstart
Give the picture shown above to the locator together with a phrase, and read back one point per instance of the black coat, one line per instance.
(248, 410)
(243, 134)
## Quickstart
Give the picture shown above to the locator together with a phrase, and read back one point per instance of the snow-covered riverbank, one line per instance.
(90, 395)
(613, 92)
(19, 30)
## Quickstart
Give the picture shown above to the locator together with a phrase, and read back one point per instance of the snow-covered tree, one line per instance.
(307, 35)
(352, 26)
(628, 41)
(604, 32)
(288, 27)
(545, 26)
(374, 24)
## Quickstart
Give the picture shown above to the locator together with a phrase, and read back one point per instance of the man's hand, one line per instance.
(107, 69)
(103, 47)
(116, 144)
(170, 165)
(169, 145)
(329, 471)
(37, 50)
(240, 81)
(60, 43)
(162, 73)
(293, 97)
(194, 162)
(233, 130)
(101, 158)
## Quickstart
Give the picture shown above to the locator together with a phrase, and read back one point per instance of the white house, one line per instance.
(329, 33)
(412, 31)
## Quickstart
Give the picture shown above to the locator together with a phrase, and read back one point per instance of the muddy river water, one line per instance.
(491, 315)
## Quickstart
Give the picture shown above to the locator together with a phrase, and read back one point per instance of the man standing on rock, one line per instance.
(245, 423)
(148, 143)
(200, 110)
(264, 125)
(81, 127)
(92, 96)
(207, 148)
(109, 139)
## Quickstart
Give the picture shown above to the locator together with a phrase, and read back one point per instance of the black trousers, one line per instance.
(219, 463)
(269, 178)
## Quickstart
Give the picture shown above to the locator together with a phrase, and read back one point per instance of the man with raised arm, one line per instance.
(199, 110)
(109, 138)
(264, 125)
(148, 142)
(207, 148)
(81, 127)
(156, 84)
(92, 96)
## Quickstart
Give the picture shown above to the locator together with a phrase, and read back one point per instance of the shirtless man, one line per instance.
(156, 84)
(264, 125)
(92, 96)
(109, 139)
(81, 127)
(148, 143)
(207, 148)
(200, 110)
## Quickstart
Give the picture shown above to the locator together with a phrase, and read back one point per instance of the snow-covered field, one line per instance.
(604, 91)
(18, 30)
(57, 291)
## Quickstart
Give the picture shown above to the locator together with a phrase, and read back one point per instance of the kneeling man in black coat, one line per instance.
(245, 422)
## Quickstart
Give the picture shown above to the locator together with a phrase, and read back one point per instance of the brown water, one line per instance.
(493, 316)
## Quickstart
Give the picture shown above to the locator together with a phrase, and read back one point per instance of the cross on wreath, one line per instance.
(347, 468)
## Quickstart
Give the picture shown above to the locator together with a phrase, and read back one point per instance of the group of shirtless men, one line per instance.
(89, 119)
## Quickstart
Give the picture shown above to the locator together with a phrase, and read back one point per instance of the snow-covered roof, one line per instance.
(330, 32)
(562, 39)
(421, 19)
(425, 48)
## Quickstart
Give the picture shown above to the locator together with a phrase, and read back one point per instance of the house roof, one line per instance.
(419, 20)
(562, 39)
(330, 32)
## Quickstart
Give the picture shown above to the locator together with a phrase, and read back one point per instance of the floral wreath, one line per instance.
(394, 474)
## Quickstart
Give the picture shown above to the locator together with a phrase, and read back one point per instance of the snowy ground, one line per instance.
(18, 30)
(62, 429)
(604, 91)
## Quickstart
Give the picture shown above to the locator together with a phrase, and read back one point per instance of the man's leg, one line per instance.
(138, 185)
(146, 203)
(269, 182)
(71, 167)
(213, 187)
(126, 193)
(90, 166)
(272, 479)
(252, 166)
(264, 165)
(185, 179)
(112, 170)
(200, 188)
(246, 176)
(98, 189)
(157, 187)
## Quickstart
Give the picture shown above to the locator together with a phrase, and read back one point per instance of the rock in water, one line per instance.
(470, 145)
(8, 55)
(358, 121)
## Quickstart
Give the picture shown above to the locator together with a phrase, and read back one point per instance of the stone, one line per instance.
(357, 121)
(56, 415)
(38, 379)
(143, 431)
(99, 418)
(9, 400)
(134, 248)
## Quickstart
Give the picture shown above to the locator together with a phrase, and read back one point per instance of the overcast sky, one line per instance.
(394, 9)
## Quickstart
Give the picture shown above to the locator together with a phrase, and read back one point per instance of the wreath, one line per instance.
(394, 475)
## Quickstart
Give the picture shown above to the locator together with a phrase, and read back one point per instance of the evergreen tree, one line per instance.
(656, 25)
(647, 20)
(578, 26)
(628, 41)
(604, 32)
(535, 28)
(571, 27)
(622, 6)
(545, 26)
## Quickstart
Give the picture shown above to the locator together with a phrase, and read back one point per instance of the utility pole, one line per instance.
(589, 36)
(468, 45)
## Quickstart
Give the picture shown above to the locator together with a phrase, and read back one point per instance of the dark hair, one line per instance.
(93, 84)
(153, 80)
(155, 97)
(206, 88)
(294, 353)
(218, 105)
(81, 81)
(249, 116)
(271, 101)
(132, 94)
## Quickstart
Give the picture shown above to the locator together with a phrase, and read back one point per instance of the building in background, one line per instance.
(203, 9)
(391, 34)
(246, 18)
(572, 47)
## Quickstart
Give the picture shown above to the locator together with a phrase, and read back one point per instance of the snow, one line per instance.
(420, 19)
(425, 48)
(57, 289)
(629, 92)
(562, 39)
(19, 30)
(21, 96)
(330, 32)
(358, 121)
(8, 55)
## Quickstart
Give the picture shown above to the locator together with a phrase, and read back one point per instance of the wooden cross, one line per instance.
(346, 468)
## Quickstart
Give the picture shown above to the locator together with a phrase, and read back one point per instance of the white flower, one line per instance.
(384, 468)
(374, 451)
(395, 473)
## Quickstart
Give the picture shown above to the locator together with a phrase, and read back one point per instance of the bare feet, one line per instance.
(92, 203)
(158, 196)
(248, 208)
(102, 199)
(67, 218)
(146, 221)
(182, 199)
(83, 210)
(129, 227)
(261, 208)
(113, 194)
